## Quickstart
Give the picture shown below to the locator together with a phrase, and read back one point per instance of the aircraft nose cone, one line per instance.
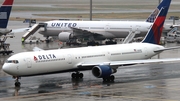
(6, 69)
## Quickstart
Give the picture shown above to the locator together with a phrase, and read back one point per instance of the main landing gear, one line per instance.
(108, 79)
(77, 75)
(17, 83)
(111, 42)
(92, 43)
(47, 39)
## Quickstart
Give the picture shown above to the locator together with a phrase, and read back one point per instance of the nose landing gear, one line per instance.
(17, 83)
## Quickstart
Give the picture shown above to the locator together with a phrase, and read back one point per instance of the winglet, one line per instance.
(5, 11)
(154, 34)
(153, 15)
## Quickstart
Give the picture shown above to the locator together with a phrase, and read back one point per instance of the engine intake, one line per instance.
(102, 71)
(65, 36)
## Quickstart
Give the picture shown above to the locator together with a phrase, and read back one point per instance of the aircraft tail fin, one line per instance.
(153, 15)
(5, 11)
(154, 34)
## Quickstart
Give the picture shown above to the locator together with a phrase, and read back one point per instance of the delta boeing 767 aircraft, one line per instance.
(100, 30)
(102, 60)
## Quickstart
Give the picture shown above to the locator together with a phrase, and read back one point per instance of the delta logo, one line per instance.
(44, 57)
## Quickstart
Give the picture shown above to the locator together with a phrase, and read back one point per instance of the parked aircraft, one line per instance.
(100, 30)
(102, 60)
(5, 11)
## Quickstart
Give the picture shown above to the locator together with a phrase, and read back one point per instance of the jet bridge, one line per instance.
(32, 30)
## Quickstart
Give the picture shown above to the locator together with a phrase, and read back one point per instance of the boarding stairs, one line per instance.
(130, 37)
(33, 29)
(172, 32)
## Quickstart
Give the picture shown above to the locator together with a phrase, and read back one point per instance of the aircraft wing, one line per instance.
(84, 32)
(129, 62)
(19, 30)
(176, 25)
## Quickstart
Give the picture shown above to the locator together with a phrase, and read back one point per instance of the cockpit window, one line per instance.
(12, 61)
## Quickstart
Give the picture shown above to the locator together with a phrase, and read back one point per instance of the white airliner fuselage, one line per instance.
(99, 29)
(45, 62)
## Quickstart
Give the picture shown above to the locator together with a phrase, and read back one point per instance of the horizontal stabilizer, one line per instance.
(19, 30)
(170, 48)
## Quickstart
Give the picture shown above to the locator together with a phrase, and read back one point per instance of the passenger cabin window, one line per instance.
(12, 61)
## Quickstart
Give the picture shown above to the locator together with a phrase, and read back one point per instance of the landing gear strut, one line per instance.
(77, 75)
(111, 42)
(17, 83)
(92, 43)
(109, 78)
(47, 39)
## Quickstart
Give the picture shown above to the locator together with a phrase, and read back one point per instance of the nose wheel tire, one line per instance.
(17, 84)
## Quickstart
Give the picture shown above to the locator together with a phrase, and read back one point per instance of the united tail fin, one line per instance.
(153, 15)
(5, 11)
(154, 34)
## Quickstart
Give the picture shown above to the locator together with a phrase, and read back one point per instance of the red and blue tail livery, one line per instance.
(5, 11)
(154, 34)
(152, 16)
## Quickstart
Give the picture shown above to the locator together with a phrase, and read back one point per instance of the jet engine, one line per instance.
(64, 36)
(102, 71)
(5, 31)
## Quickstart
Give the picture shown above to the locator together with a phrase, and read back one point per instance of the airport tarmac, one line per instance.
(150, 82)
(145, 82)
(80, 9)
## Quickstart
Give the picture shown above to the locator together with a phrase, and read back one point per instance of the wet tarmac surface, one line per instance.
(140, 82)
(148, 82)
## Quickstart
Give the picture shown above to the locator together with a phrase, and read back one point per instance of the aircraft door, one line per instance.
(69, 59)
(109, 55)
(145, 51)
(29, 64)
(107, 27)
(136, 29)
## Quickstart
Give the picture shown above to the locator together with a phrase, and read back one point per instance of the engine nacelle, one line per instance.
(102, 71)
(5, 31)
(64, 36)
